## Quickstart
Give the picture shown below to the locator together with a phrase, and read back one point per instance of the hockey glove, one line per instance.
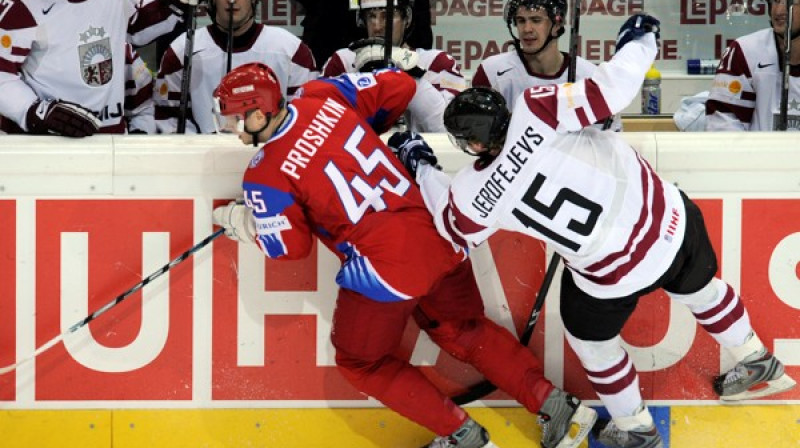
(238, 221)
(61, 118)
(412, 151)
(369, 57)
(635, 27)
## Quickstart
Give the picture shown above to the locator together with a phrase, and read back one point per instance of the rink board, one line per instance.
(83, 221)
(707, 426)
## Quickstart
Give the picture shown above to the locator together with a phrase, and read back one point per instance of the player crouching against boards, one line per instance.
(323, 172)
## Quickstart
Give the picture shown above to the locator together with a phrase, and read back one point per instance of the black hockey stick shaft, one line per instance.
(117, 300)
(186, 79)
(783, 116)
(486, 387)
(573, 41)
(388, 41)
(230, 36)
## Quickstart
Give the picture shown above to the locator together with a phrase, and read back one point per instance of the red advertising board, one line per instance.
(87, 252)
(114, 230)
(8, 293)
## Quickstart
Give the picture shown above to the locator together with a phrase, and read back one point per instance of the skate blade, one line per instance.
(584, 419)
(783, 383)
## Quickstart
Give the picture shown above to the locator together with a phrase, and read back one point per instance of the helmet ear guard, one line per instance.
(477, 115)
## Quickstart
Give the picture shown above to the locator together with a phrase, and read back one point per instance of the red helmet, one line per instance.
(248, 87)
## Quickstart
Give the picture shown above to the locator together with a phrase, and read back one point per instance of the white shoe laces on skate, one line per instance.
(735, 375)
(613, 433)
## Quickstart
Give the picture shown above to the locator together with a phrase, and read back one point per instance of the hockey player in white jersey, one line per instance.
(290, 58)
(747, 88)
(63, 63)
(438, 75)
(535, 60)
(622, 230)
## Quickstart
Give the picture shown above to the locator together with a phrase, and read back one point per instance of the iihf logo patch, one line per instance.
(95, 57)
(257, 158)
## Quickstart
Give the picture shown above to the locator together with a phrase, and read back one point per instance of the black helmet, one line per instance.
(478, 114)
(555, 9)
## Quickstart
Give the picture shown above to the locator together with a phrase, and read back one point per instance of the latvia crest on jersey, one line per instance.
(94, 52)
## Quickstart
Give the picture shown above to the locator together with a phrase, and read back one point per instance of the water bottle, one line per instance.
(701, 66)
(651, 92)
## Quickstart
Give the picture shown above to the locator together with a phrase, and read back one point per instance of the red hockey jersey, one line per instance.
(325, 172)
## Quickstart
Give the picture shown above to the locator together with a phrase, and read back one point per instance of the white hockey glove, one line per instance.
(61, 118)
(195, 2)
(237, 219)
(369, 57)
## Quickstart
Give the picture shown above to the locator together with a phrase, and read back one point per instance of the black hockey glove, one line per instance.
(412, 151)
(637, 26)
(61, 118)
(370, 56)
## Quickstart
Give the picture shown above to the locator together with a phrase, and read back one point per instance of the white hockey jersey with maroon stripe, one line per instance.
(746, 93)
(74, 50)
(282, 51)
(440, 83)
(584, 191)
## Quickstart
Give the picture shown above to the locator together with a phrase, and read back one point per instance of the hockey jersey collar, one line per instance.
(288, 122)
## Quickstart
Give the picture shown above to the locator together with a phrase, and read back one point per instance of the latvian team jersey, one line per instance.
(74, 51)
(325, 173)
(283, 52)
(509, 75)
(583, 191)
(441, 82)
(746, 93)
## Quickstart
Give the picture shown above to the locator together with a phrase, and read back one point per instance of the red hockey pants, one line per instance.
(366, 334)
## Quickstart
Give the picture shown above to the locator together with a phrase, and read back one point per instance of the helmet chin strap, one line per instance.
(254, 134)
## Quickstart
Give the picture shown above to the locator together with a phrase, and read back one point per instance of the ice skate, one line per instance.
(758, 375)
(610, 435)
(565, 421)
(469, 435)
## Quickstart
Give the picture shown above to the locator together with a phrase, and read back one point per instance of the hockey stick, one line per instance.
(388, 41)
(52, 342)
(485, 387)
(186, 79)
(783, 118)
(230, 36)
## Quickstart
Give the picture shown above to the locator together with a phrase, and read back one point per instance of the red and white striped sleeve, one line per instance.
(17, 34)
(732, 100)
(573, 106)
(151, 19)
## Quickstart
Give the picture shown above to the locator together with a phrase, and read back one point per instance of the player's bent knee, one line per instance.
(706, 295)
(596, 355)
(459, 338)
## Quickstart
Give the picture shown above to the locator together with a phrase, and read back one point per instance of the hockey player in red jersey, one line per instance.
(621, 229)
(747, 89)
(290, 58)
(63, 64)
(325, 173)
(440, 78)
